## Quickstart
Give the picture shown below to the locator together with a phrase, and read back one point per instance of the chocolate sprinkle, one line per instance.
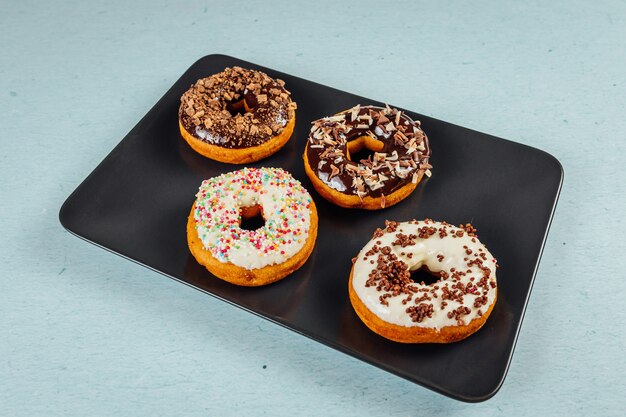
(390, 275)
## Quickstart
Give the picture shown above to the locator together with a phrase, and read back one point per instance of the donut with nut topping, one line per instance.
(237, 116)
(398, 160)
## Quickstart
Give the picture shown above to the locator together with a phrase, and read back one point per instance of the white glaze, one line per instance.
(425, 253)
(286, 210)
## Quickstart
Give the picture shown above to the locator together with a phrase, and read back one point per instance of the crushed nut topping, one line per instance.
(236, 108)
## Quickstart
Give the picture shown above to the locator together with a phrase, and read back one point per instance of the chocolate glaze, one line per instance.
(212, 110)
(403, 158)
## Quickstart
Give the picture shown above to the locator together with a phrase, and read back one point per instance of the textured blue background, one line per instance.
(83, 332)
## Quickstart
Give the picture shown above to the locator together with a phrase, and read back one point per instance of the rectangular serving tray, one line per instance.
(136, 203)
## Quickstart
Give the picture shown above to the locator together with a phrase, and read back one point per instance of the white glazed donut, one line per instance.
(391, 304)
(252, 257)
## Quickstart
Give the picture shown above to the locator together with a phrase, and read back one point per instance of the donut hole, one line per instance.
(423, 274)
(251, 218)
(237, 107)
(363, 147)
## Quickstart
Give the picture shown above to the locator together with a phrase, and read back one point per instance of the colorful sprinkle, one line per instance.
(286, 209)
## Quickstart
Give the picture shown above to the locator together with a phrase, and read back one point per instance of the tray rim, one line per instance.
(62, 216)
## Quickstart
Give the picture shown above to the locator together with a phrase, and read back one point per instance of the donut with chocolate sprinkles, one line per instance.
(390, 303)
(237, 116)
(399, 159)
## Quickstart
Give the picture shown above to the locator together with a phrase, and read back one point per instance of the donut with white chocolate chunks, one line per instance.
(237, 116)
(400, 158)
(391, 304)
(252, 257)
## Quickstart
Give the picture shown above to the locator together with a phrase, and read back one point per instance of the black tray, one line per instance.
(136, 202)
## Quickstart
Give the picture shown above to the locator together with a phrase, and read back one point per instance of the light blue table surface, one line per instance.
(85, 333)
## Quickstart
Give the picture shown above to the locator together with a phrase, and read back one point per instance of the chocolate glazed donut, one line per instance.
(237, 115)
(400, 158)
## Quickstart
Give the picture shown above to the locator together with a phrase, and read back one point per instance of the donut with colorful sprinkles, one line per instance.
(252, 257)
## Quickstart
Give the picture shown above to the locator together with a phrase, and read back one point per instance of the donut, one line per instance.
(399, 161)
(396, 307)
(237, 116)
(252, 257)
